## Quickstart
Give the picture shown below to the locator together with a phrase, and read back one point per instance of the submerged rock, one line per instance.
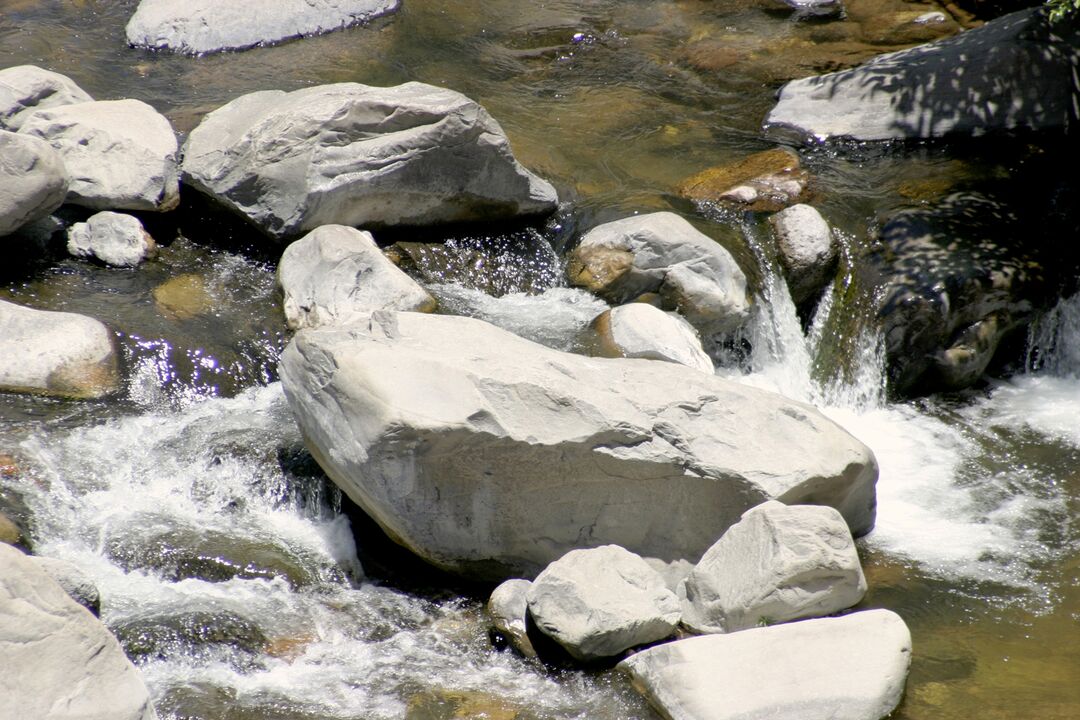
(113, 238)
(763, 182)
(358, 155)
(491, 456)
(25, 89)
(184, 297)
(190, 633)
(639, 330)
(206, 26)
(33, 180)
(808, 251)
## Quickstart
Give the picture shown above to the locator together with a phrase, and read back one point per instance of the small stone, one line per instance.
(764, 182)
(639, 330)
(508, 607)
(113, 238)
(808, 250)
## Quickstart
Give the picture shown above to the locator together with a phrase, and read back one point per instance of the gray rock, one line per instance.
(508, 607)
(808, 250)
(815, 8)
(848, 668)
(357, 155)
(673, 572)
(205, 26)
(33, 180)
(113, 238)
(25, 89)
(490, 455)
(336, 274)
(77, 584)
(1015, 72)
(639, 330)
(121, 153)
(60, 663)
(596, 603)
(778, 563)
(663, 253)
(55, 353)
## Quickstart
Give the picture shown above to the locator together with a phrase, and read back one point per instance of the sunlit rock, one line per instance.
(33, 180)
(77, 584)
(639, 330)
(507, 607)
(808, 250)
(765, 182)
(25, 89)
(113, 238)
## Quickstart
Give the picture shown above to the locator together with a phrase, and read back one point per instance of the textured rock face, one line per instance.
(121, 153)
(764, 182)
(508, 606)
(357, 155)
(336, 274)
(599, 602)
(74, 581)
(25, 89)
(206, 26)
(808, 251)
(33, 180)
(848, 668)
(490, 455)
(778, 563)
(55, 353)
(113, 238)
(60, 663)
(639, 330)
(1024, 80)
(663, 253)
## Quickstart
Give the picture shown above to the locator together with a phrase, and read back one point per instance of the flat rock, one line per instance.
(33, 180)
(640, 330)
(25, 89)
(508, 607)
(113, 238)
(351, 154)
(337, 274)
(763, 182)
(197, 27)
(60, 663)
(847, 668)
(491, 456)
(121, 153)
(808, 250)
(778, 563)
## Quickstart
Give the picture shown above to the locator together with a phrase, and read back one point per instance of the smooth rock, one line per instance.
(663, 253)
(808, 250)
(55, 353)
(11, 533)
(763, 182)
(1024, 79)
(113, 238)
(183, 297)
(25, 89)
(596, 603)
(778, 563)
(492, 456)
(60, 663)
(639, 330)
(848, 668)
(508, 607)
(77, 584)
(197, 27)
(33, 180)
(335, 275)
(121, 154)
(358, 155)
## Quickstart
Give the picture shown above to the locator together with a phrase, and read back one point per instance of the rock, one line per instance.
(442, 704)
(673, 572)
(60, 662)
(16, 518)
(190, 633)
(11, 533)
(55, 353)
(489, 455)
(778, 563)
(814, 8)
(848, 668)
(33, 181)
(77, 584)
(508, 607)
(357, 155)
(25, 89)
(121, 154)
(639, 330)
(183, 297)
(336, 274)
(596, 603)
(113, 238)
(197, 27)
(763, 182)
(1023, 80)
(808, 251)
(663, 253)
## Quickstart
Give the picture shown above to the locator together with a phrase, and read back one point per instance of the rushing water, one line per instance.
(225, 559)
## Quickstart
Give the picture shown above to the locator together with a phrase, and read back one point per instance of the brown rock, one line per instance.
(183, 297)
(764, 182)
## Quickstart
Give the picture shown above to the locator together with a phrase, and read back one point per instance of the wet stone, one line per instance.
(183, 297)
(763, 182)
(189, 633)
(460, 704)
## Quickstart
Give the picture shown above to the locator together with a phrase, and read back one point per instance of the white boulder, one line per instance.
(778, 563)
(113, 238)
(640, 330)
(808, 250)
(357, 155)
(121, 153)
(25, 89)
(33, 180)
(79, 586)
(508, 607)
(847, 668)
(337, 274)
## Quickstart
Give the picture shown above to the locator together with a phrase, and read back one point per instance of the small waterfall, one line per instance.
(1054, 340)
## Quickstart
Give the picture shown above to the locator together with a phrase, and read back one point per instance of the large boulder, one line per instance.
(492, 456)
(121, 153)
(663, 253)
(336, 274)
(357, 155)
(848, 668)
(113, 238)
(33, 180)
(60, 663)
(25, 89)
(205, 26)
(778, 563)
(55, 353)
(1015, 72)
(808, 250)
(640, 330)
(599, 602)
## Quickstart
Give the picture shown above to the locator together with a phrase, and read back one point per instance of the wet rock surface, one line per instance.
(763, 182)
